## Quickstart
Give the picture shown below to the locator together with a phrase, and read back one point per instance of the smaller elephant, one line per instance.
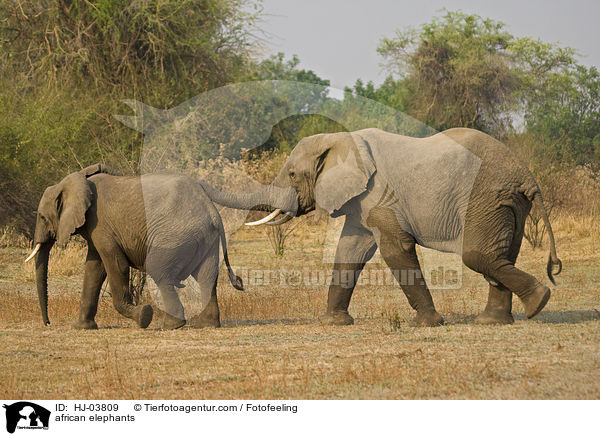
(163, 224)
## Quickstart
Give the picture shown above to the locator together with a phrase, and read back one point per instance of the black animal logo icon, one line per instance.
(26, 415)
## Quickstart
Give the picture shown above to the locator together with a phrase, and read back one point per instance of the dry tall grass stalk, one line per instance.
(67, 262)
(10, 237)
(278, 235)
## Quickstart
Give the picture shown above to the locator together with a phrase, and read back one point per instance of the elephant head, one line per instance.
(60, 213)
(323, 171)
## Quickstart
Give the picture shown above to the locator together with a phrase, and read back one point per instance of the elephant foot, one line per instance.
(144, 317)
(171, 322)
(209, 317)
(535, 301)
(85, 324)
(200, 322)
(494, 317)
(427, 319)
(336, 318)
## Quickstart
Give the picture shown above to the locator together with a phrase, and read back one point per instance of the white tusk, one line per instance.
(34, 252)
(265, 219)
(288, 216)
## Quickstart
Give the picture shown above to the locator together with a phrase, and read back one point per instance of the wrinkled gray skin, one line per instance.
(172, 231)
(458, 191)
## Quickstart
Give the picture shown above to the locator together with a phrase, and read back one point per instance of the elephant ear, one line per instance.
(347, 166)
(73, 200)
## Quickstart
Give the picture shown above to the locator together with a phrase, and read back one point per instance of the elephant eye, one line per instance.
(292, 174)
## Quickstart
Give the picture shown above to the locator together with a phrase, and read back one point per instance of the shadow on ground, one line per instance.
(546, 317)
(565, 317)
(250, 322)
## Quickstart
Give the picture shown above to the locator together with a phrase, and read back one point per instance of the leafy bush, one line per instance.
(66, 64)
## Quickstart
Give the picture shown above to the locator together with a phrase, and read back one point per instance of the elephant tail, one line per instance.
(235, 280)
(552, 258)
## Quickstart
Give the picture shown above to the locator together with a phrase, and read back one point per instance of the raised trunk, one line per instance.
(41, 276)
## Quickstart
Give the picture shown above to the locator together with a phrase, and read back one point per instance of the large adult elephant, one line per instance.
(458, 191)
(163, 224)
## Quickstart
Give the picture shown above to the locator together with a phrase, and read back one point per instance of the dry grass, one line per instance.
(67, 262)
(272, 347)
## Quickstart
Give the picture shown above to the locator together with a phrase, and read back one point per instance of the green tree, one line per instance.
(180, 47)
(456, 71)
(564, 115)
(65, 65)
(463, 70)
(560, 102)
(289, 131)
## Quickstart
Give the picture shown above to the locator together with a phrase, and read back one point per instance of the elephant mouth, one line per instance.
(278, 217)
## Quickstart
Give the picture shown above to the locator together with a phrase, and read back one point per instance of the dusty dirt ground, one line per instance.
(271, 345)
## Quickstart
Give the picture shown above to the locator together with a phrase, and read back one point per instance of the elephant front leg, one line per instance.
(94, 276)
(344, 277)
(355, 248)
(398, 251)
(397, 248)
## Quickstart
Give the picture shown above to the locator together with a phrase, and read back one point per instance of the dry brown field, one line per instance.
(271, 345)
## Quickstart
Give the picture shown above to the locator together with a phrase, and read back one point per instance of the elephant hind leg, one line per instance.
(206, 276)
(495, 258)
(174, 317)
(210, 316)
(533, 294)
(498, 308)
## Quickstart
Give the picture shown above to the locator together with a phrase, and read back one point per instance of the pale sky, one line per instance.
(338, 39)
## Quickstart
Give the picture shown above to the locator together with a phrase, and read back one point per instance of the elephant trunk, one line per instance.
(41, 275)
(270, 198)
